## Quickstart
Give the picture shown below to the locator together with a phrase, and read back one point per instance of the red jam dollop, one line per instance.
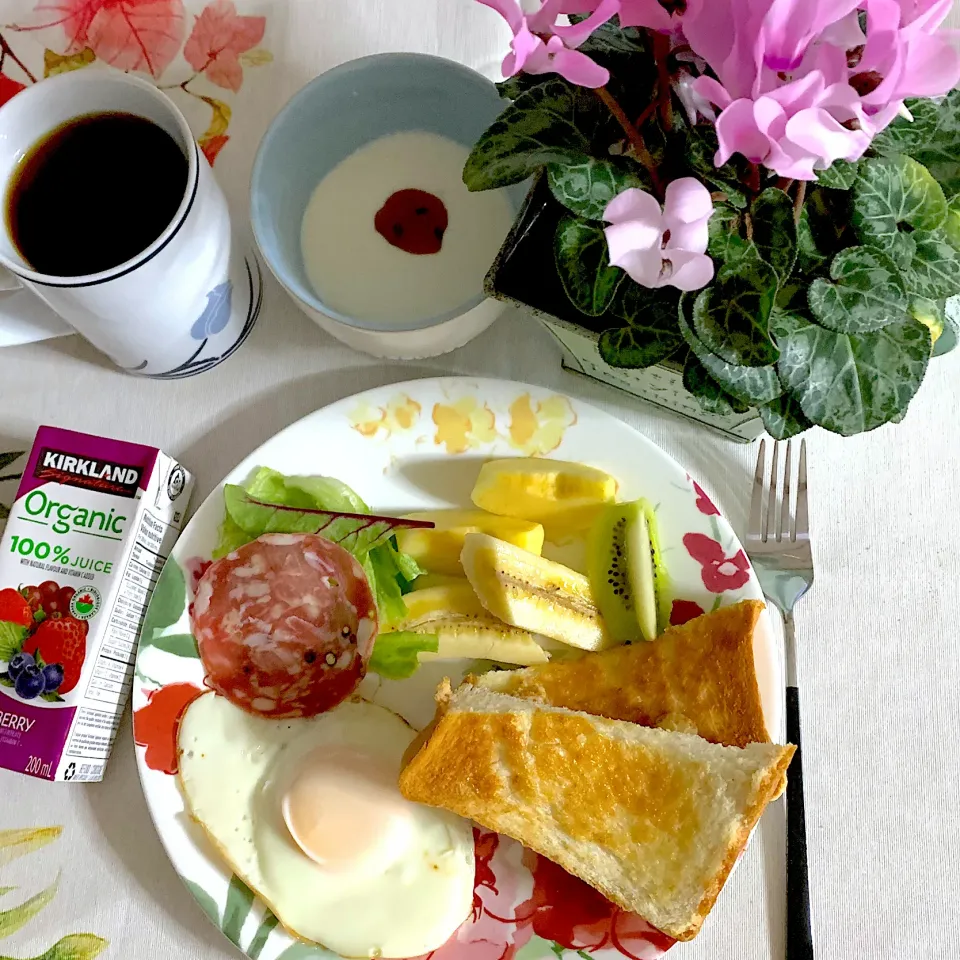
(414, 221)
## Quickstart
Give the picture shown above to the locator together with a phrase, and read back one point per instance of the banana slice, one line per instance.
(535, 594)
(465, 629)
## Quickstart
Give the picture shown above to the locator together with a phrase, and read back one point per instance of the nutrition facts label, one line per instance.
(110, 680)
(108, 686)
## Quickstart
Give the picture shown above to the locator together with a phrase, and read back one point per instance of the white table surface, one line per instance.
(878, 635)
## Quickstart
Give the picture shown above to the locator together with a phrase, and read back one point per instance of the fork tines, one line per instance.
(783, 489)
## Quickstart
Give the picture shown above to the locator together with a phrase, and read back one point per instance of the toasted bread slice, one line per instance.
(653, 819)
(699, 677)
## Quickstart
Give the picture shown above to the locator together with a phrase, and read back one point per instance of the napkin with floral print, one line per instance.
(202, 54)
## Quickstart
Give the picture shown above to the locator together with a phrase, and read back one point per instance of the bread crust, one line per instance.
(631, 811)
(702, 671)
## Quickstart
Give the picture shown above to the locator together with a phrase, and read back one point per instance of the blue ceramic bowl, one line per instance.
(329, 119)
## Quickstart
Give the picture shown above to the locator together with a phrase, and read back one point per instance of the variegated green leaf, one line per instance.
(840, 175)
(543, 125)
(783, 417)
(935, 269)
(710, 395)
(867, 292)
(775, 231)
(586, 188)
(583, 264)
(732, 316)
(895, 190)
(849, 383)
(748, 384)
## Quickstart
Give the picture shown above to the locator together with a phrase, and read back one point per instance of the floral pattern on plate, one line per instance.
(418, 446)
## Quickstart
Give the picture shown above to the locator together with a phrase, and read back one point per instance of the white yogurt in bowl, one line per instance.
(376, 276)
(360, 210)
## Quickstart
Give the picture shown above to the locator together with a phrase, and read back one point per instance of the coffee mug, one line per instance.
(179, 306)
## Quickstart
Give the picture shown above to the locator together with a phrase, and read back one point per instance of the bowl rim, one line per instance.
(258, 209)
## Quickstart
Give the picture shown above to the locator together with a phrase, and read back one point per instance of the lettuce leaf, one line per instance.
(329, 492)
(357, 532)
(395, 654)
(387, 591)
(407, 567)
(232, 536)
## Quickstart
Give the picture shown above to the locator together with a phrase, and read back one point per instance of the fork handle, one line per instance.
(799, 933)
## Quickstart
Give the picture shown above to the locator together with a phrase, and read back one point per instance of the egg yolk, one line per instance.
(344, 806)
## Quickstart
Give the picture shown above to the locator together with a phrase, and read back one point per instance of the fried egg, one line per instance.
(308, 814)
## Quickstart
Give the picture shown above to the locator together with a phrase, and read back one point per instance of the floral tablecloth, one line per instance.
(199, 58)
(82, 872)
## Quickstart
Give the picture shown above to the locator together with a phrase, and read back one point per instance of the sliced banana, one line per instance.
(465, 629)
(532, 593)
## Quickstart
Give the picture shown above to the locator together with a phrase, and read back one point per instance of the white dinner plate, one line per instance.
(417, 446)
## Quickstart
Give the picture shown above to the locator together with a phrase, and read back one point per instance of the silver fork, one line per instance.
(778, 544)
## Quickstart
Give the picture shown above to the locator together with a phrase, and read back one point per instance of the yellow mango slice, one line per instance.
(542, 490)
(438, 550)
(426, 581)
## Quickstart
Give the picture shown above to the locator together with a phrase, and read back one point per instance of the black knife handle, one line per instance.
(799, 933)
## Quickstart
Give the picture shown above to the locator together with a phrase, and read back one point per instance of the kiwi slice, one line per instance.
(661, 580)
(623, 560)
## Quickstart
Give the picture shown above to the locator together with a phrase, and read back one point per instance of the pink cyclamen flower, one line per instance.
(794, 130)
(541, 46)
(662, 247)
(903, 56)
(751, 44)
(801, 85)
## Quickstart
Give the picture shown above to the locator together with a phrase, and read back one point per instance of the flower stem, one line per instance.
(648, 112)
(8, 52)
(753, 179)
(633, 135)
(798, 200)
(661, 50)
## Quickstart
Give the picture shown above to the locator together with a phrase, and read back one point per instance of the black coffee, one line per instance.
(94, 193)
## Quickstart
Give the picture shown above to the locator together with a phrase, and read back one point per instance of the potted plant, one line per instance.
(746, 210)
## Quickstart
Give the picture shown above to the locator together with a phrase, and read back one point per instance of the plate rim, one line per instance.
(476, 384)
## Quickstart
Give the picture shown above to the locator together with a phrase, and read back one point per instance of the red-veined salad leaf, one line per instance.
(395, 654)
(357, 532)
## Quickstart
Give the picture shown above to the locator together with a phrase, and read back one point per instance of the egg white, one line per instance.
(402, 900)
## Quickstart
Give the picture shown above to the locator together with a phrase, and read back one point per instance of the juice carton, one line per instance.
(87, 536)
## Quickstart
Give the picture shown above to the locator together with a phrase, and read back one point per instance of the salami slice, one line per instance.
(285, 625)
